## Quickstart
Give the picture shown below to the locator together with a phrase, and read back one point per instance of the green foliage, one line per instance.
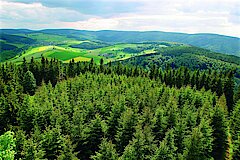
(142, 145)
(167, 149)
(125, 129)
(107, 151)
(7, 146)
(219, 125)
(199, 143)
(235, 120)
(29, 83)
(88, 111)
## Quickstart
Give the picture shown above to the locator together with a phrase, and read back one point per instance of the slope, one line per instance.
(214, 42)
(188, 56)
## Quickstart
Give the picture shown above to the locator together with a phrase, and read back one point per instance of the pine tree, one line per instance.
(202, 80)
(29, 83)
(199, 144)
(159, 124)
(24, 65)
(32, 149)
(153, 72)
(219, 87)
(219, 124)
(167, 149)
(235, 121)
(180, 131)
(172, 112)
(237, 95)
(125, 129)
(50, 142)
(95, 133)
(142, 146)
(112, 121)
(228, 91)
(236, 147)
(107, 151)
(67, 149)
(101, 65)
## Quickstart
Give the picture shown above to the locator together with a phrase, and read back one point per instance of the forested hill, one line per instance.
(193, 58)
(214, 42)
(86, 111)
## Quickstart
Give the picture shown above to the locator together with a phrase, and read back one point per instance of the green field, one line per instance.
(65, 53)
(59, 53)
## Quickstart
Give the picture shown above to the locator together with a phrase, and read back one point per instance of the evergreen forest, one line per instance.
(82, 110)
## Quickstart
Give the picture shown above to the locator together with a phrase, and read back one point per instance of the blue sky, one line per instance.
(189, 16)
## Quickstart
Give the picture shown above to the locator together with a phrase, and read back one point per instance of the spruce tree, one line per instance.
(236, 147)
(94, 134)
(29, 83)
(125, 129)
(106, 151)
(167, 149)
(237, 95)
(101, 65)
(219, 125)
(142, 146)
(159, 124)
(199, 144)
(235, 121)
(229, 91)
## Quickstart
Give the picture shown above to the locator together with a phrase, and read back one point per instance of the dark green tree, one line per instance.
(29, 83)
(106, 151)
(219, 125)
(229, 91)
(101, 65)
(199, 144)
(142, 146)
(125, 129)
(167, 149)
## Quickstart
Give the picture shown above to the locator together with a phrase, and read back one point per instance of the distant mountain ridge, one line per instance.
(214, 42)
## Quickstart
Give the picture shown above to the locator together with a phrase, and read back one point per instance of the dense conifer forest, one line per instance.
(80, 110)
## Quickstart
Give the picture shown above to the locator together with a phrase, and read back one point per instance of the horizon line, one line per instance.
(119, 31)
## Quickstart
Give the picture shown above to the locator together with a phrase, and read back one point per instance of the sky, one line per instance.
(188, 16)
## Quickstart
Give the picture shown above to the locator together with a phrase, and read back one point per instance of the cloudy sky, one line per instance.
(189, 16)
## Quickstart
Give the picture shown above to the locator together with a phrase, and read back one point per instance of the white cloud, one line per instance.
(16, 12)
(93, 24)
(190, 16)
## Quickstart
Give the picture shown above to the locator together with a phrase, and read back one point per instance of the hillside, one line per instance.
(193, 58)
(188, 56)
(66, 45)
(213, 42)
(85, 50)
(162, 54)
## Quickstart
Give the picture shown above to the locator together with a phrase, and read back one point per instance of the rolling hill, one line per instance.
(73, 38)
(126, 47)
(191, 57)
(85, 50)
(214, 42)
